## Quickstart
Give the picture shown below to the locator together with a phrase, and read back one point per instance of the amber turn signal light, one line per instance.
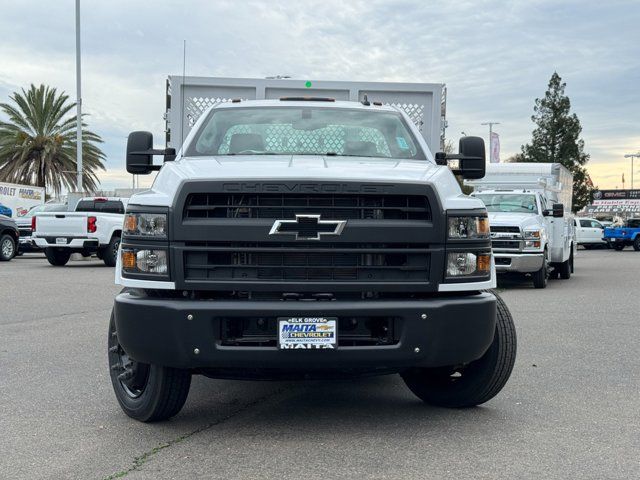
(484, 263)
(128, 260)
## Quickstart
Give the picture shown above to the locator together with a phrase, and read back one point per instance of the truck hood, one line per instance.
(305, 168)
(523, 220)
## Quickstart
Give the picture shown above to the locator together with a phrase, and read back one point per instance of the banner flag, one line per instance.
(494, 148)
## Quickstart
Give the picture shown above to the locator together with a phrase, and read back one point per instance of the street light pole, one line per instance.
(631, 156)
(79, 186)
(491, 124)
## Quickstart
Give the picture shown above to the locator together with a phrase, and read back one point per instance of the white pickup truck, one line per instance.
(95, 227)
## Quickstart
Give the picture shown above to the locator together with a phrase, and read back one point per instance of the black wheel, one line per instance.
(541, 276)
(110, 253)
(636, 244)
(148, 393)
(57, 257)
(618, 246)
(7, 248)
(475, 383)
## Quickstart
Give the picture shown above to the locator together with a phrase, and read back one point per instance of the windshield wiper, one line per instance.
(335, 154)
(261, 153)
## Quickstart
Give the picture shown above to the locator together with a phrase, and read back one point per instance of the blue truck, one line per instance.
(621, 236)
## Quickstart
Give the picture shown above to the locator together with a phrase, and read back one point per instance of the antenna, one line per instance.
(184, 68)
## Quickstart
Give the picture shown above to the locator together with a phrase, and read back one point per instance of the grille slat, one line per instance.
(329, 206)
(249, 262)
(500, 229)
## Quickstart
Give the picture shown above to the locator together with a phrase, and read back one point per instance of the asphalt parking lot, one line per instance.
(570, 410)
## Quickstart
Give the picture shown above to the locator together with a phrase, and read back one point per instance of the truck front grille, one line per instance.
(500, 229)
(285, 206)
(244, 261)
(505, 244)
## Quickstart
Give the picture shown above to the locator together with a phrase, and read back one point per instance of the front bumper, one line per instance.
(518, 262)
(457, 329)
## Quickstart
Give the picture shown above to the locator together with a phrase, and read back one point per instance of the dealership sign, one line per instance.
(615, 195)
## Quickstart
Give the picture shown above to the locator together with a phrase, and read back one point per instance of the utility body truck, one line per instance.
(294, 235)
(532, 227)
(94, 227)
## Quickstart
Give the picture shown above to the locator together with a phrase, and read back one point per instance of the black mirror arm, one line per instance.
(168, 153)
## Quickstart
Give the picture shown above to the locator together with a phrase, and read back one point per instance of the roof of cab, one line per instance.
(320, 103)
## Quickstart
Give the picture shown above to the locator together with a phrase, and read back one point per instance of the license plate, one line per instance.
(61, 241)
(307, 332)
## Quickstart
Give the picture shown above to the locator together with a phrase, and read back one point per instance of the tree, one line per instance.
(38, 142)
(557, 139)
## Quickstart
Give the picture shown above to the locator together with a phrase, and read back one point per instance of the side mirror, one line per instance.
(558, 210)
(140, 153)
(471, 158)
(139, 161)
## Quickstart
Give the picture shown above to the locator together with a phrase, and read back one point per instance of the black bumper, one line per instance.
(457, 329)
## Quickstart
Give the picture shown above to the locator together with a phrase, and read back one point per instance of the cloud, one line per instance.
(495, 58)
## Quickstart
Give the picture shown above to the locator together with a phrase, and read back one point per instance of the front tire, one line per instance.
(148, 393)
(57, 257)
(476, 382)
(541, 276)
(618, 246)
(636, 244)
(7, 248)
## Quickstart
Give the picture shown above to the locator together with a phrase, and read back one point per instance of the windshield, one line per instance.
(305, 131)
(508, 202)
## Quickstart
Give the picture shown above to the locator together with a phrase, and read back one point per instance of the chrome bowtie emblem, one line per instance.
(307, 227)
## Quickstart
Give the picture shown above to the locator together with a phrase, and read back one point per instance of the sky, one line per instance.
(495, 57)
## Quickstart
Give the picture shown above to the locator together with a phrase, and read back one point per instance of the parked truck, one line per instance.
(300, 236)
(94, 227)
(627, 234)
(532, 227)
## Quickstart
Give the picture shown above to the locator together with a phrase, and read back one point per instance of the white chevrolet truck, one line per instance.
(304, 237)
(94, 227)
(532, 227)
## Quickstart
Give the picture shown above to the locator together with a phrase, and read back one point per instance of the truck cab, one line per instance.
(305, 237)
(531, 231)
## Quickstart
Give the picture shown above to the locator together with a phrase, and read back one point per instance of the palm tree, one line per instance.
(38, 142)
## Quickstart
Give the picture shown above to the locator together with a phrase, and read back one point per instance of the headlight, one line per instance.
(468, 227)
(532, 239)
(145, 261)
(460, 264)
(152, 225)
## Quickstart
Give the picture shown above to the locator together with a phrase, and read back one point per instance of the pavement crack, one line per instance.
(143, 458)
